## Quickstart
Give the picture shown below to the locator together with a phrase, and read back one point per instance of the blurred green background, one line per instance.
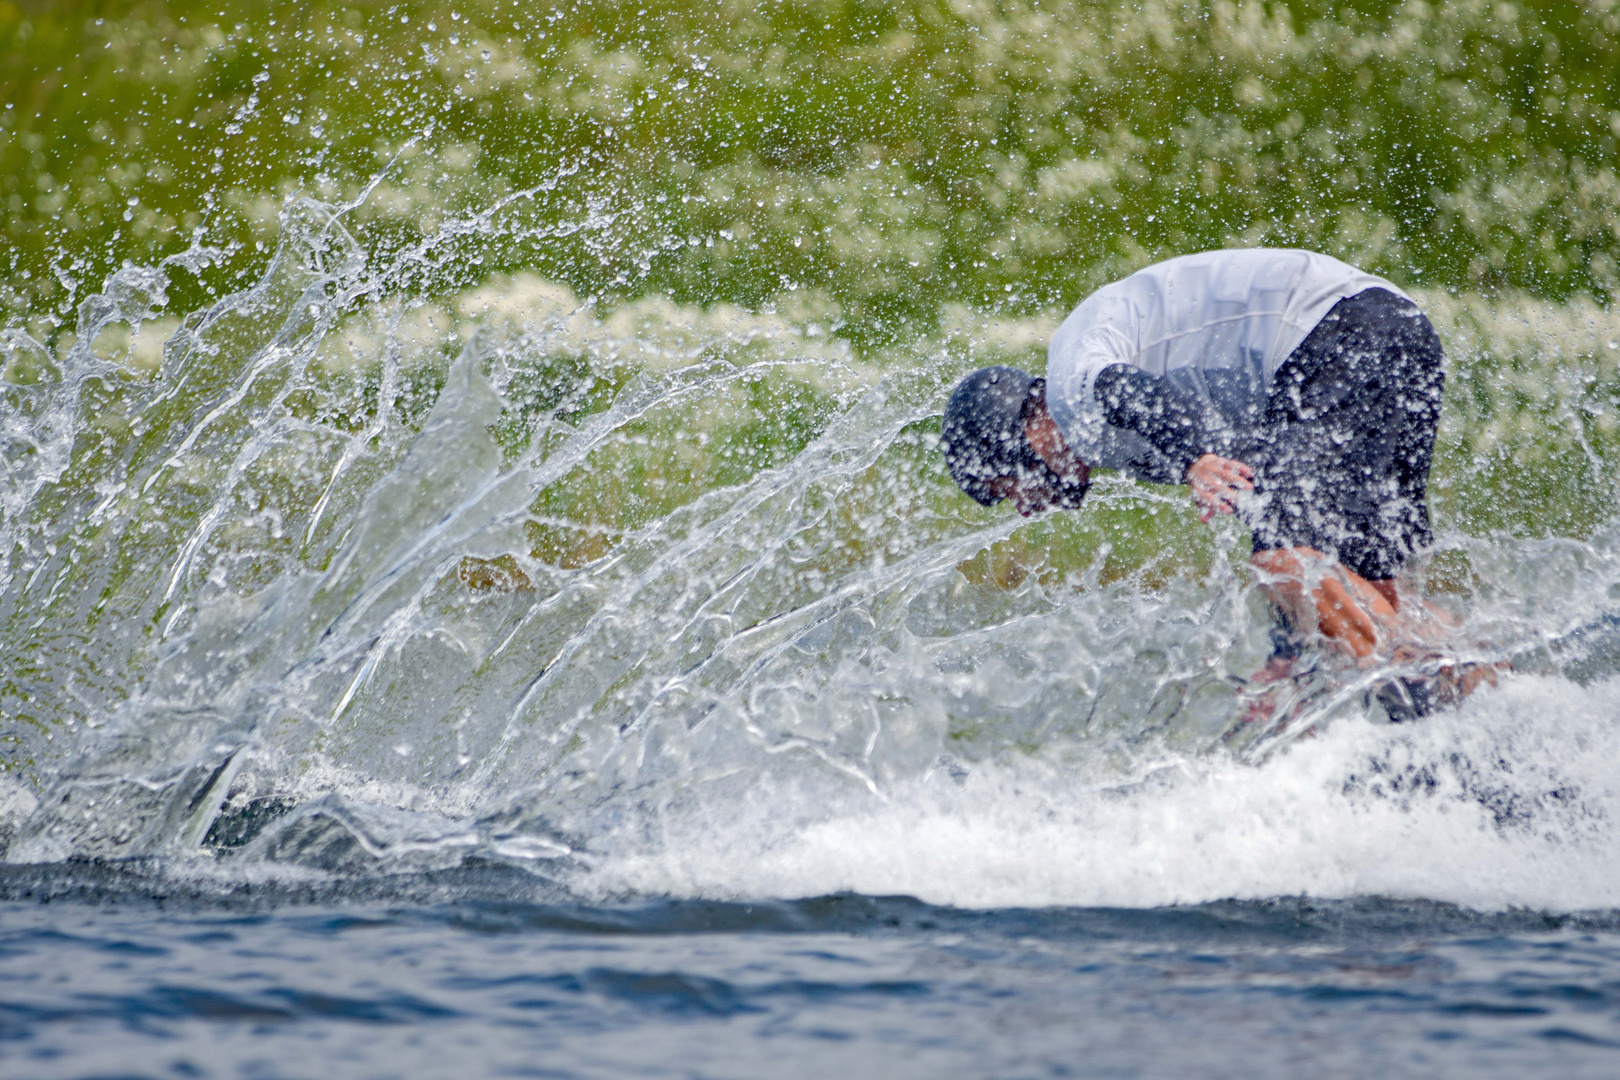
(886, 157)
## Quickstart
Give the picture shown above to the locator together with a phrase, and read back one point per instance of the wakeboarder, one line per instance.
(1286, 387)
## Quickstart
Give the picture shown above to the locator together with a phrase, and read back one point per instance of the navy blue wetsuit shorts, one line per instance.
(1342, 452)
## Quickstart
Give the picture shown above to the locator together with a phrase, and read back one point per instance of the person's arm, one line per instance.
(1170, 418)
(1176, 423)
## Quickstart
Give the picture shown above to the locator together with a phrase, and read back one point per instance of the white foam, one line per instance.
(1318, 821)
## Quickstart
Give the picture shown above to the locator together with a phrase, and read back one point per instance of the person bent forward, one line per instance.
(1284, 386)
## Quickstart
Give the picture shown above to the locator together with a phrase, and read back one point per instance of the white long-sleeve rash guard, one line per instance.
(1218, 324)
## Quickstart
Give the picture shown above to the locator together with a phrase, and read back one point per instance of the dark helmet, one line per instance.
(983, 435)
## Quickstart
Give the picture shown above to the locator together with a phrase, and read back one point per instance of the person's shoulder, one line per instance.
(1248, 255)
(1212, 256)
(1271, 267)
(1314, 263)
(1336, 273)
(1128, 299)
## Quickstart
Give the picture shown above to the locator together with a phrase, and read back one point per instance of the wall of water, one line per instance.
(510, 437)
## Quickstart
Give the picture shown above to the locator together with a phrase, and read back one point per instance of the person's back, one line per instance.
(1216, 325)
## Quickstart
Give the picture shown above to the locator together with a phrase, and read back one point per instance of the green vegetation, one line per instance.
(887, 158)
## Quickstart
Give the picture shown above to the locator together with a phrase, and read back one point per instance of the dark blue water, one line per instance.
(123, 973)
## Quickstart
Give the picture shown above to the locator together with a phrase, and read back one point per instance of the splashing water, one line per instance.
(386, 562)
(680, 601)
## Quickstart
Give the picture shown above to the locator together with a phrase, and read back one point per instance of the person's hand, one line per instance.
(1347, 609)
(1216, 484)
(1355, 617)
